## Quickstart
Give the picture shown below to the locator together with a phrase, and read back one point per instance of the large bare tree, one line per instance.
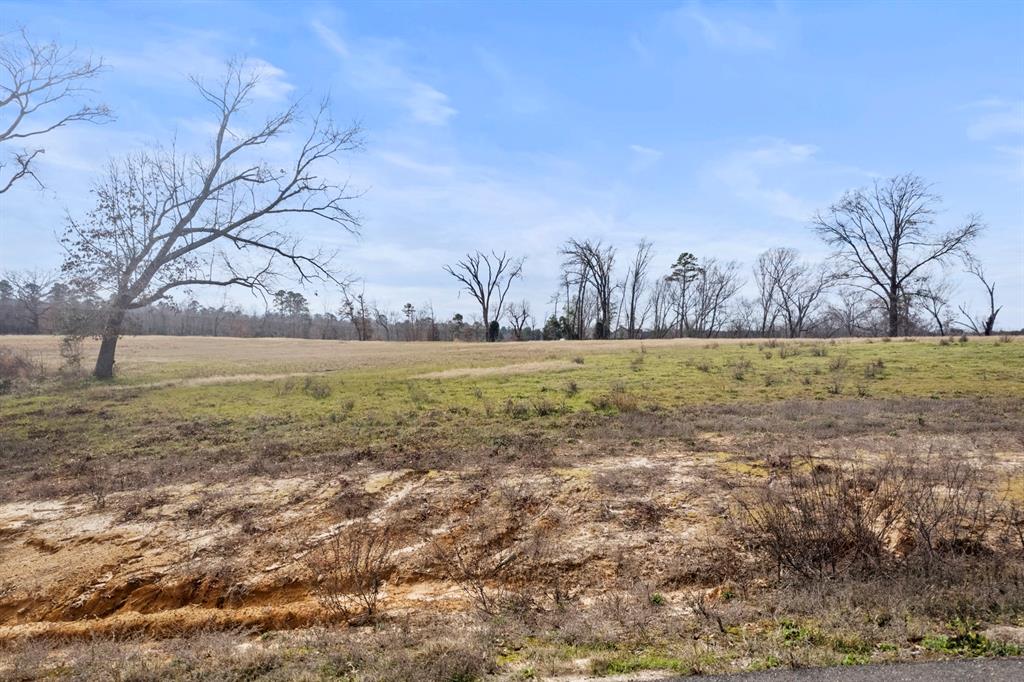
(42, 86)
(487, 279)
(587, 262)
(884, 236)
(165, 219)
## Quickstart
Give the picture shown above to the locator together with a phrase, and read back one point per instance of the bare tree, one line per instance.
(166, 220)
(849, 314)
(633, 289)
(519, 315)
(714, 288)
(883, 237)
(488, 282)
(31, 291)
(660, 303)
(593, 263)
(40, 87)
(766, 278)
(359, 312)
(934, 294)
(985, 323)
(796, 287)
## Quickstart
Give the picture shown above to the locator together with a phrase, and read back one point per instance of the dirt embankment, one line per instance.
(168, 560)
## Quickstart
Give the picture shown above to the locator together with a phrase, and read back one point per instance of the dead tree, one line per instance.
(985, 323)
(488, 282)
(592, 263)
(165, 219)
(933, 295)
(518, 315)
(633, 289)
(41, 88)
(795, 288)
(883, 237)
(32, 292)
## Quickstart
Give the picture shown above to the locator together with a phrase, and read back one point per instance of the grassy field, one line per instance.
(568, 507)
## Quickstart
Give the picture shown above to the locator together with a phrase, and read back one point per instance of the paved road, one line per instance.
(989, 670)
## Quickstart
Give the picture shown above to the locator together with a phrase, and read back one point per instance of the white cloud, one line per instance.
(171, 61)
(746, 174)
(516, 94)
(644, 157)
(372, 66)
(727, 32)
(1001, 119)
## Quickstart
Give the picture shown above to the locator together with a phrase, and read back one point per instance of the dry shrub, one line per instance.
(350, 569)
(15, 368)
(900, 516)
(619, 398)
(501, 559)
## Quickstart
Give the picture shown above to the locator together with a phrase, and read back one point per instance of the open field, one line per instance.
(548, 510)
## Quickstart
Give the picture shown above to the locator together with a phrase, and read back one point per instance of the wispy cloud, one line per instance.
(372, 66)
(644, 157)
(998, 119)
(189, 54)
(516, 94)
(749, 174)
(725, 30)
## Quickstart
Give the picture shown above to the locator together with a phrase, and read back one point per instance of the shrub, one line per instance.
(874, 369)
(839, 363)
(571, 388)
(787, 350)
(900, 516)
(316, 388)
(740, 369)
(517, 409)
(15, 367)
(350, 568)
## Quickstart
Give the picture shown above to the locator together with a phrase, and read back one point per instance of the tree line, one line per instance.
(166, 221)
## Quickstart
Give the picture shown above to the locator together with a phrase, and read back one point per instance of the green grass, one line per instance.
(382, 403)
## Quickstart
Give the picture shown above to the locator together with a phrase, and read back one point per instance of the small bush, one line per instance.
(839, 363)
(963, 338)
(874, 369)
(819, 351)
(571, 388)
(316, 388)
(578, 359)
(740, 369)
(517, 409)
(350, 569)
(787, 350)
(1005, 338)
(15, 367)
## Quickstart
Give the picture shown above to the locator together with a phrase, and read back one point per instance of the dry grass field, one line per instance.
(271, 509)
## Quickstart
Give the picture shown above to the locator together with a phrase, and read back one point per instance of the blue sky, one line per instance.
(716, 128)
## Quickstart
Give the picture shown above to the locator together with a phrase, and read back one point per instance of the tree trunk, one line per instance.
(105, 359)
(894, 316)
